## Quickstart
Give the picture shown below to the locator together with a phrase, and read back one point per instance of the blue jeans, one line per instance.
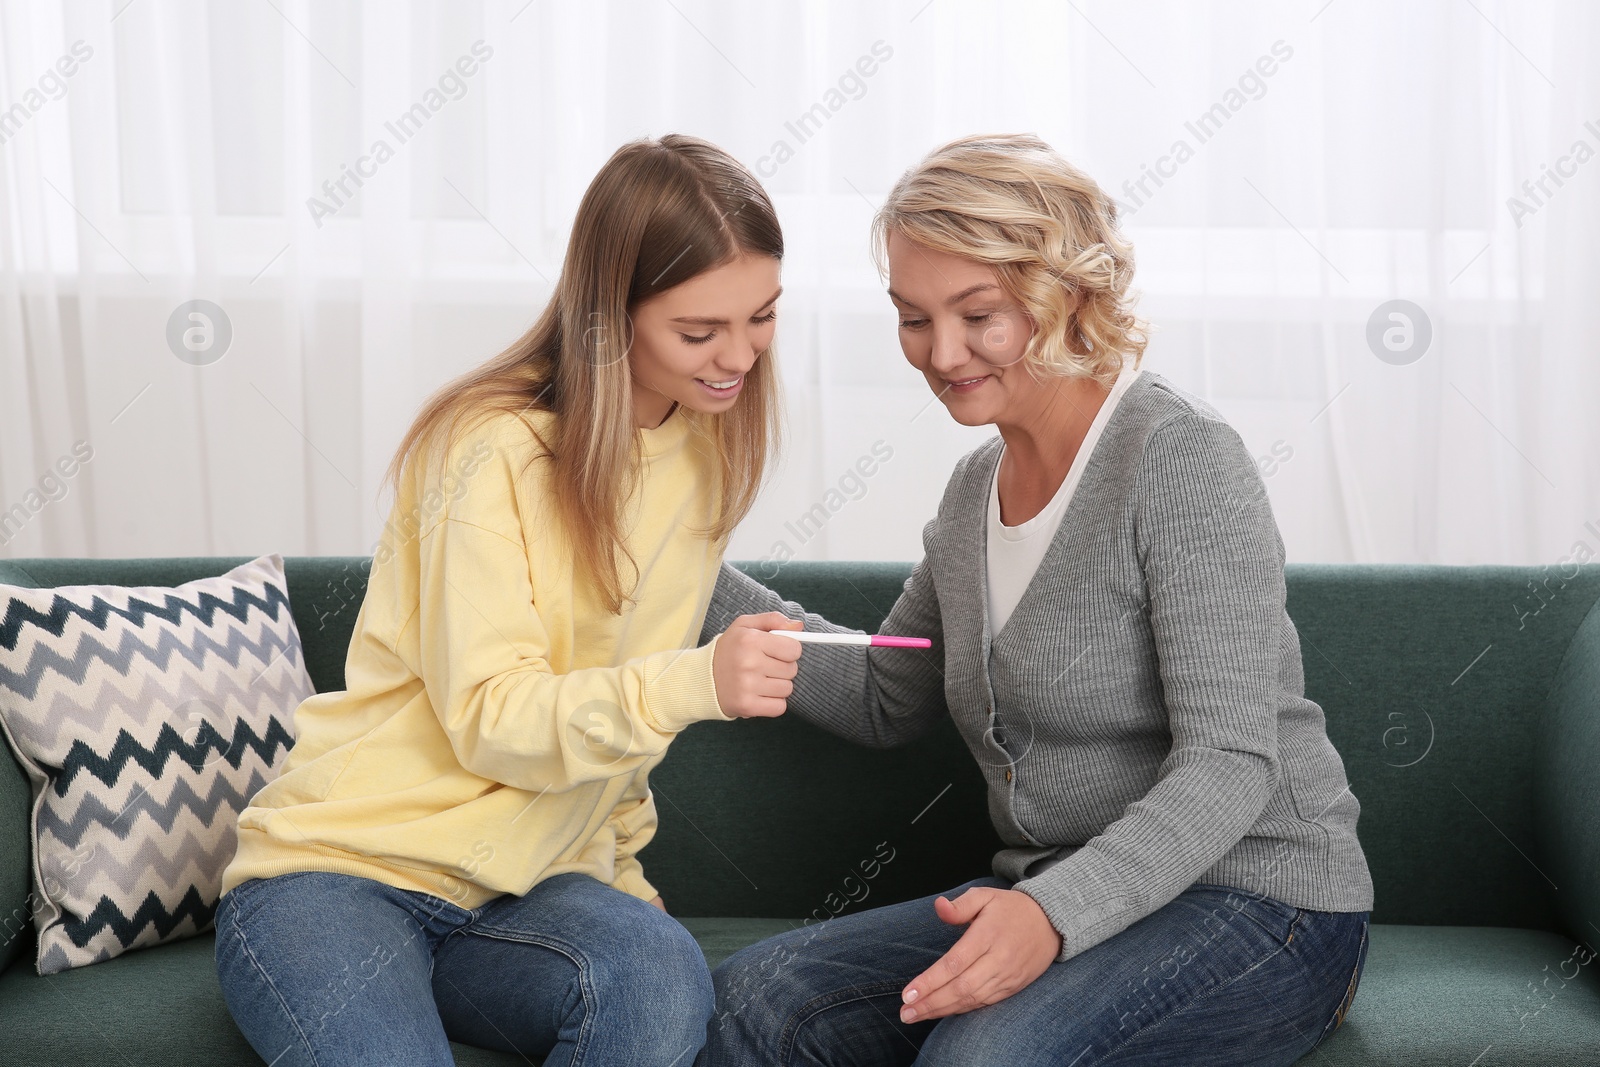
(331, 969)
(1217, 976)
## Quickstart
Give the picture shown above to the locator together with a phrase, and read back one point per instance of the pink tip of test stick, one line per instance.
(872, 640)
(900, 642)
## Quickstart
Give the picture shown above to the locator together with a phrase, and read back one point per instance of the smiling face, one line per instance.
(693, 343)
(961, 329)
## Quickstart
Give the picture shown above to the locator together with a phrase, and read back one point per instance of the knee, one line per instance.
(678, 963)
(762, 973)
(658, 965)
(760, 990)
(956, 1042)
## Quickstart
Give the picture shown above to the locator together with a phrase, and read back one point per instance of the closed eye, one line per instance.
(700, 339)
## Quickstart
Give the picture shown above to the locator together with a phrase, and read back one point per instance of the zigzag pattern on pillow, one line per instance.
(146, 719)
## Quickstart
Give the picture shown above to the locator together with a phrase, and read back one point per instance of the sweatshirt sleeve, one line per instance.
(484, 652)
(879, 697)
(1213, 566)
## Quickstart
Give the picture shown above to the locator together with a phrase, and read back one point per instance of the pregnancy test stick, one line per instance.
(872, 640)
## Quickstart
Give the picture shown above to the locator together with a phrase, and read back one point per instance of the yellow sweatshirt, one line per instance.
(499, 726)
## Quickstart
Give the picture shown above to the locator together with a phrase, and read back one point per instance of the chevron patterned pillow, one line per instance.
(146, 719)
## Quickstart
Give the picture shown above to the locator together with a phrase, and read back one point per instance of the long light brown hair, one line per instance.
(1048, 230)
(656, 215)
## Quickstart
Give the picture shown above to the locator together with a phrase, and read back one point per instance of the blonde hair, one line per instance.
(657, 214)
(1049, 232)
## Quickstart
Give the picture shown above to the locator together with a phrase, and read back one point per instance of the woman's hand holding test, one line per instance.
(754, 670)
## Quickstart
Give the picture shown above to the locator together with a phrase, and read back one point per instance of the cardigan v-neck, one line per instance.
(1012, 554)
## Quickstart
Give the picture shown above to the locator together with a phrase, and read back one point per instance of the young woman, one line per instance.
(450, 849)
(1103, 586)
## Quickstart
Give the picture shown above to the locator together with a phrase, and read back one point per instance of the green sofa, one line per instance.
(1464, 700)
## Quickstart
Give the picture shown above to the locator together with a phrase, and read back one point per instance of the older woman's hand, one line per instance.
(1008, 944)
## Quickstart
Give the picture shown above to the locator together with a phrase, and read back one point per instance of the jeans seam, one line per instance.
(791, 1030)
(1208, 994)
(431, 916)
(1349, 997)
(571, 952)
(244, 946)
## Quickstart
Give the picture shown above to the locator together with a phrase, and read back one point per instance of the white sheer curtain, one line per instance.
(1336, 156)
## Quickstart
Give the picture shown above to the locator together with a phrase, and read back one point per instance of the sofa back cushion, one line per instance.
(1433, 681)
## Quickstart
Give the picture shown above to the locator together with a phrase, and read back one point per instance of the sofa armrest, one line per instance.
(16, 838)
(1567, 784)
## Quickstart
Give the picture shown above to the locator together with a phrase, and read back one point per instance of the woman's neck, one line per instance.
(650, 408)
(1042, 442)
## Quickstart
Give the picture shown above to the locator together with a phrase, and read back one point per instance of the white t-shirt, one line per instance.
(1014, 552)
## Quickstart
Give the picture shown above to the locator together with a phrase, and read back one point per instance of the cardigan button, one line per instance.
(1008, 774)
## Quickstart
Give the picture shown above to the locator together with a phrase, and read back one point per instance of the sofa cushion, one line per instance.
(126, 1011)
(145, 718)
(1450, 996)
(720, 938)
(155, 1007)
(1430, 996)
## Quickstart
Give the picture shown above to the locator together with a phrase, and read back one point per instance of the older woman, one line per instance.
(1103, 587)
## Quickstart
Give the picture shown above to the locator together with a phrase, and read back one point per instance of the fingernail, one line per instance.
(910, 995)
(907, 1015)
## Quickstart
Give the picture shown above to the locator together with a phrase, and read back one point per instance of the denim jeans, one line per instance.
(333, 969)
(1216, 976)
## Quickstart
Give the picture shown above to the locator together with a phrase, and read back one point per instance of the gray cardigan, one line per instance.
(1141, 718)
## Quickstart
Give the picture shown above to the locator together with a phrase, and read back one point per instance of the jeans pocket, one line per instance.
(1275, 918)
(240, 898)
(234, 898)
